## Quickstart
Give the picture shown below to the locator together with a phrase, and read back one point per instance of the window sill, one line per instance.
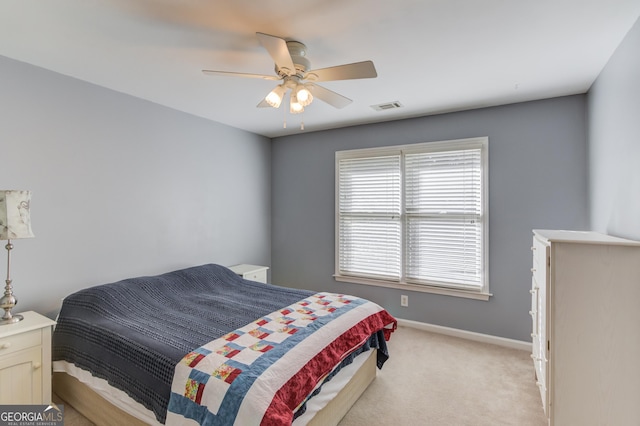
(416, 287)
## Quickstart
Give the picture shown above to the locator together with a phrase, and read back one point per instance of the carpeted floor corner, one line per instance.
(433, 379)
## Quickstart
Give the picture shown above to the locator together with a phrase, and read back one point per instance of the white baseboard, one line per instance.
(469, 335)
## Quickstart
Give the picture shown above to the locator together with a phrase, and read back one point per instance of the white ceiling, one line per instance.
(431, 55)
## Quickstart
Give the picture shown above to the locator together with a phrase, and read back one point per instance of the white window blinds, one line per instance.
(414, 214)
(369, 217)
(443, 209)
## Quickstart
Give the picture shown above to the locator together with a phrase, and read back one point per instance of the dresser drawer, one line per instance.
(21, 341)
(539, 269)
(534, 304)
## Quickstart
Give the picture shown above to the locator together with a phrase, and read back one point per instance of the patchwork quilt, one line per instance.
(260, 374)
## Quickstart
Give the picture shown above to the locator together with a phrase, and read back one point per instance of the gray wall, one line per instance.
(614, 142)
(537, 176)
(123, 187)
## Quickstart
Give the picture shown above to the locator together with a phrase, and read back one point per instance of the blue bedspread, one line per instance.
(132, 333)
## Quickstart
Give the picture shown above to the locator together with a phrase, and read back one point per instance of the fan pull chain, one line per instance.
(302, 121)
(284, 118)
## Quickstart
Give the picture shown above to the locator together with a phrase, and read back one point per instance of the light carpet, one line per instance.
(434, 379)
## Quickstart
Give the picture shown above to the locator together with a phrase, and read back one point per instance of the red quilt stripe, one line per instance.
(196, 360)
(292, 393)
(199, 393)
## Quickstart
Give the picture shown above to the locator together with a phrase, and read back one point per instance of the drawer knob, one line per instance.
(533, 269)
(5, 345)
(36, 365)
(535, 358)
(534, 335)
(532, 313)
(533, 248)
(533, 290)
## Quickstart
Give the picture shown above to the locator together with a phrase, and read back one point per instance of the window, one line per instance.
(414, 216)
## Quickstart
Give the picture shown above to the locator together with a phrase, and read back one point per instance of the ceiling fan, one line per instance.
(292, 68)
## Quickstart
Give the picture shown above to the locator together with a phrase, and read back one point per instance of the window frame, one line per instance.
(481, 143)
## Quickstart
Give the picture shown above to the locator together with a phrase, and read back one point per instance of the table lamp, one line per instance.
(15, 222)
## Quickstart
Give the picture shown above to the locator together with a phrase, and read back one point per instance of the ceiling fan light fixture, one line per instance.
(293, 69)
(274, 98)
(295, 107)
(303, 95)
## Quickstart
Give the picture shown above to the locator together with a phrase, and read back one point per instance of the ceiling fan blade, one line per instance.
(279, 52)
(332, 98)
(240, 74)
(364, 69)
(263, 104)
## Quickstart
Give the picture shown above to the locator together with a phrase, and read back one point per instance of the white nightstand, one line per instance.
(251, 272)
(25, 360)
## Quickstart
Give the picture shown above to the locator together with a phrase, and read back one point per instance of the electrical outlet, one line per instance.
(404, 300)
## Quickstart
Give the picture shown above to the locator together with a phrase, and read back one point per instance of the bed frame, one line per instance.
(101, 412)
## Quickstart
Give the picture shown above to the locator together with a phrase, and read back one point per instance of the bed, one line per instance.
(204, 346)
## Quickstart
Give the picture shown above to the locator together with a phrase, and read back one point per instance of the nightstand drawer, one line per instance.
(20, 341)
(260, 276)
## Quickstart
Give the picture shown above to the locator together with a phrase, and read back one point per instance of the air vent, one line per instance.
(386, 106)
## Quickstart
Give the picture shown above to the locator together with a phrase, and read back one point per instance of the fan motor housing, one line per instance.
(298, 52)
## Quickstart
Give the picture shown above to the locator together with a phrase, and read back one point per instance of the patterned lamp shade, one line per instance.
(15, 219)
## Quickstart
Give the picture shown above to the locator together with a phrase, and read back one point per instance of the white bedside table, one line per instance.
(251, 272)
(25, 360)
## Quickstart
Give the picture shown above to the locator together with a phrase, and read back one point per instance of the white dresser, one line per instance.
(585, 306)
(25, 360)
